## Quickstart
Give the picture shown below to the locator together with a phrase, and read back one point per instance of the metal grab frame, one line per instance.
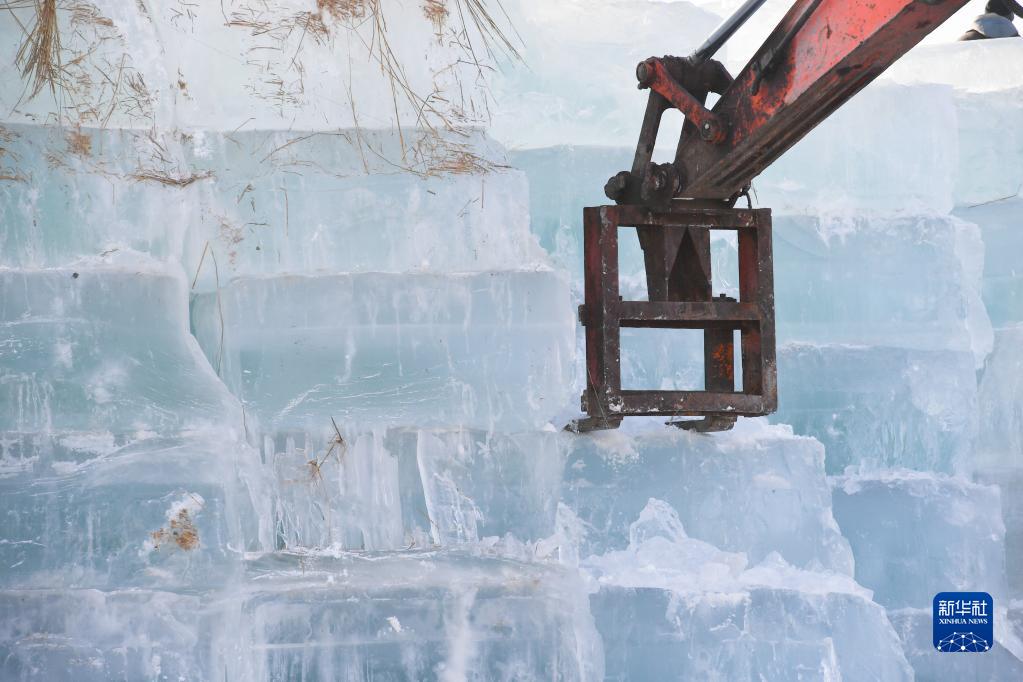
(680, 298)
(821, 54)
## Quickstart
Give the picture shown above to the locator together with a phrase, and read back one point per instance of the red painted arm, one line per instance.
(821, 54)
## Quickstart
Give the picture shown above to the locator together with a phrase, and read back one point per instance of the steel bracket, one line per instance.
(680, 306)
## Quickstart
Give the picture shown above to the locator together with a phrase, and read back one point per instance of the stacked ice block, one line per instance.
(366, 396)
(274, 407)
(888, 276)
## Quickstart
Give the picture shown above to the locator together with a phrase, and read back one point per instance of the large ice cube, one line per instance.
(669, 606)
(401, 488)
(989, 171)
(757, 489)
(119, 447)
(162, 512)
(915, 534)
(1000, 403)
(761, 634)
(903, 162)
(999, 224)
(874, 407)
(1010, 483)
(484, 350)
(267, 218)
(179, 196)
(103, 347)
(85, 192)
(899, 281)
(94, 636)
(419, 615)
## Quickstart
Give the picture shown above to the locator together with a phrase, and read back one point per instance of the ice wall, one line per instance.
(285, 356)
(914, 180)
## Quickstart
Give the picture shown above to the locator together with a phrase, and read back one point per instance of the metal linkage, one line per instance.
(726, 30)
(674, 82)
(679, 292)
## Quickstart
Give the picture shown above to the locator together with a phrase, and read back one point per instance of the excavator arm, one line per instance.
(821, 54)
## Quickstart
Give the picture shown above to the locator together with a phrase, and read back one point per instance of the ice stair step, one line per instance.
(757, 489)
(491, 350)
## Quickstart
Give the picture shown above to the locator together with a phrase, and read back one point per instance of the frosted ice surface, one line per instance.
(669, 605)
(196, 73)
(914, 534)
(756, 490)
(393, 349)
(446, 616)
(875, 407)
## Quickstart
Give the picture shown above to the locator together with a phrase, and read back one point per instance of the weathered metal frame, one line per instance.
(821, 54)
(605, 313)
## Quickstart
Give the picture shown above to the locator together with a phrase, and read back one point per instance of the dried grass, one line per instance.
(62, 51)
(79, 143)
(476, 12)
(83, 13)
(66, 49)
(460, 160)
(38, 56)
(438, 114)
(338, 448)
(165, 178)
(7, 137)
(344, 10)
